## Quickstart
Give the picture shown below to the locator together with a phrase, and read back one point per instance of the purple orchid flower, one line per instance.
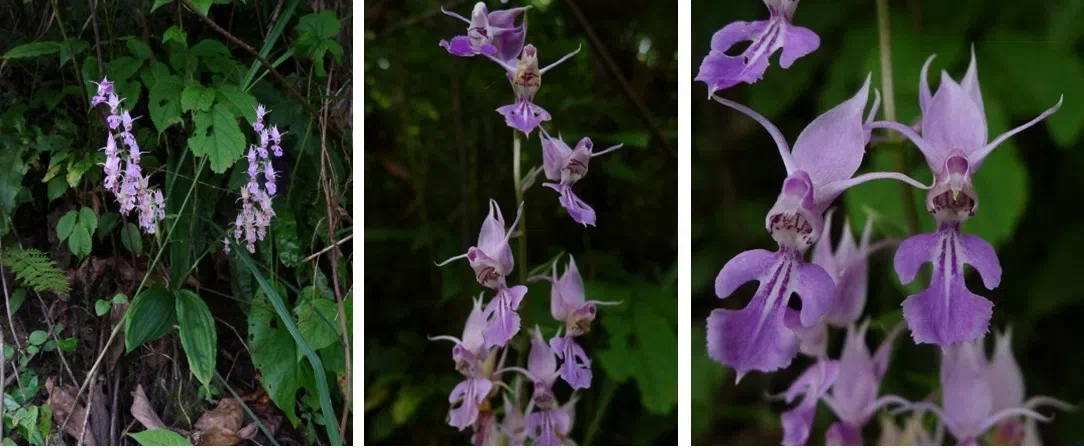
(566, 166)
(848, 266)
(489, 33)
(826, 155)
(954, 142)
(492, 262)
(526, 78)
(469, 354)
(811, 385)
(1008, 381)
(551, 427)
(720, 71)
(978, 394)
(848, 386)
(514, 424)
(550, 424)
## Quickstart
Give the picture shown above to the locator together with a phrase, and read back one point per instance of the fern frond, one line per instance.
(33, 269)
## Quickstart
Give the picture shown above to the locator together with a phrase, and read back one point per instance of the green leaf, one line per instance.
(159, 437)
(175, 34)
(238, 101)
(120, 299)
(88, 218)
(122, 68)
(66, 225)
(68, 344)
(217, 136)
(76, 170)
(38, 337)
(165, 102)
(131, 239)
(33, 49)
(56, 188)
(79, 242)
(150, 316)
(197, 97)
(11, 178)
(33, 349)
(198, 337)
(107, 223)
(101, 307)
(284, 228)
(316, 36)
(139, 49)
(273, 355)
(312, 310)
(16, 300)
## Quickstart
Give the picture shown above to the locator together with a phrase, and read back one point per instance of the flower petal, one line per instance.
(981, 255)
(502, 320)
(459, 46)
(541, 361)
(831, 147)
(797, 42)
(843, 434)
(797, 423)
(913, 253)
(953, 122)
(736, 32)
(816, 290)
(743, 268)
(524, 116)
(576, 366)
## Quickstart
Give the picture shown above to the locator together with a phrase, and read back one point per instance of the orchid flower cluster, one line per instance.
(123, 175)
(767, 334)
(480, 354)
(256, 212)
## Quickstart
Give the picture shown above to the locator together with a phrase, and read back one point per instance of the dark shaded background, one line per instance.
(1028, 53)
(436, 151)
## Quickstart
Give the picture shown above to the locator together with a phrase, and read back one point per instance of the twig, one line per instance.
(237, 334)
(615, 72)
(86, 415)
(97, 38)
(885, 42)
(7, 305)
(337, 243)
(3, 373)
(271, 68)
(329, 200)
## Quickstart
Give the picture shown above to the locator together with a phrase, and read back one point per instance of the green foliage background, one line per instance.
(436, 151)
(1028, 54)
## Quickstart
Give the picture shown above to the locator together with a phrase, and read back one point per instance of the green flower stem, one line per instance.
(516, 179)
(885, 40)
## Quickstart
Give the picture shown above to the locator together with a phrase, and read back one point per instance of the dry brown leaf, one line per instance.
(62, 402)
(222, 425)
(143, 412)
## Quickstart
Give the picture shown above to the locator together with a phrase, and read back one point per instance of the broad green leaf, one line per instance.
(131, 239)
(159, 437)
(101, 307)
(312, 310)
(153, 73)
(284, 228)
(68, 344)
(107, 223)
(33, 49)
(217, 136)
(175, 34)
(122, 68)
(159, 4)
(316, 36)
(273, 355)
(38, 337)
(150, 316)
(198, 337)
(79, 242)
(56, 188)
(66, 225)
(138, 48)
(11, 177)
(238, 101)
(165, 102)
(77, 46)
(88, 218)
(76, 170)
(119, 298)
(197, 97)
(90, 76)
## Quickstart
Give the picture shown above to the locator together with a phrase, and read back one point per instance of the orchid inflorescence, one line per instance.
(480, 354)
(256, 212)
(767, 334)
(123, 175)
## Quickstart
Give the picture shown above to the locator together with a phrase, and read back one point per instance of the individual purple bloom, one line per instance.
(568, 301)
(811, 385)
(854, 397)
(491, 258)
(954, 142)
(526, 78)
(105, 88)
(566, 166)
(1007, 381)
(514, 424)
(720, 71)
(469, 355)
(826, 155)
(548, 427)
(489, 33)
(978, 394)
